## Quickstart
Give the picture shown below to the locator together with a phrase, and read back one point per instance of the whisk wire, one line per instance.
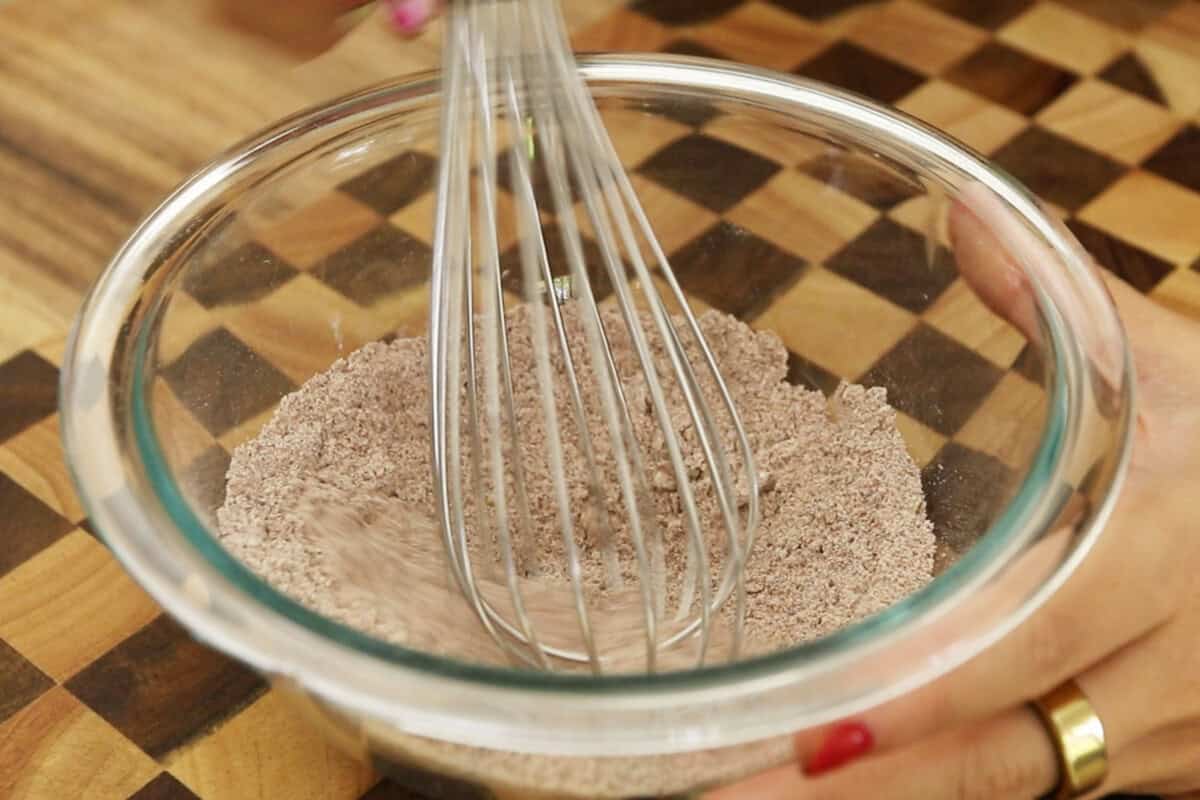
(507, 64)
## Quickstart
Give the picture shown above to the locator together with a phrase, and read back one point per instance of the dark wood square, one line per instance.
(88, 527)
(164, 786)
(27, 525)
(819, 9)
(708, 171)
(1132, 15)
(20, 681)
(690, 112)
(1011, 78)
(390, 790)
(248, 273)
(851, 67)
(934, 379)
(410, 781)
(223, 382)
(964, 492)
(161, 688)
(687, 46)
(990, 14)
(1130, 73)
(684, 12)
(205, 478)
(556, 253)
(539, 180)
(860, 176)
(1029, 364)
(731, 269)
(1179, 159)
(1057, 169)
(892, 261)
(802, 372)
(382, 261)
(28, 392)
(1135, 266)
(395, 183)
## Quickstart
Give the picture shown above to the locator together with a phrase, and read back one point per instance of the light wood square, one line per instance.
(407, 312)
(917, 36)
(1179, 29)
(637, 135)
(1153, 213)
(269, 746)
(960, 314)
(70, 604)
(764, 35)
(1175, 74)
(1065, 37)
(1180, 291)
(621, 30)
(52, 349)
(964, 115)
(1009, 423)
(417, 217)
(58, 748)
(674, 219)
(842, 23)
(246, 431)
(184, 322)
(305, 326)
(783, 146)
(1111, 121)
(25, 320)
(181, 435)
(35, 459)
(803, 215)
(835, 323)
(922, 443)
(304, 237)
(926, 215)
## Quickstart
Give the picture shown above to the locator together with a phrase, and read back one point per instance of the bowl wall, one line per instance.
(797, 209)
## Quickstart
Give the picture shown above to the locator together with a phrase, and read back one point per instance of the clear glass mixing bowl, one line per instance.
(796, 207)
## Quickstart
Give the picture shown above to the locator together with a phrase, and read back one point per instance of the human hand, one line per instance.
(1125, 627)
(309, 27)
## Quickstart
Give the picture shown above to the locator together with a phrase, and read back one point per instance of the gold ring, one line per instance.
(1078, 736)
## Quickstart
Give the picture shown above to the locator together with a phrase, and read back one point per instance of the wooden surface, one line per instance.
(106, 104)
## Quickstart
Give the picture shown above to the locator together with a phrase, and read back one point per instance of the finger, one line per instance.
(988, 268)
(1009, 756)
(303, 27)
(996, 254)
(410, 16)
(1110, 601)
(1165, 763)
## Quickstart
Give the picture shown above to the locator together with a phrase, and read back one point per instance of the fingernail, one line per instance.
(843, 744)
(409, 16)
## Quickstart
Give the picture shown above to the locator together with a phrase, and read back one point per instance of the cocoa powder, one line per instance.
(331, 503)
(843, 530)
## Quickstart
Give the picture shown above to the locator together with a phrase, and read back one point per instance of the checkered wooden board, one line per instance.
(1094, 104)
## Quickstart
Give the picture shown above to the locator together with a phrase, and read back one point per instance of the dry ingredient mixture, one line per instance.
(330, 503)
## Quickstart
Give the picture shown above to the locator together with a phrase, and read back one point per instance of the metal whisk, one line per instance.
(509, 72)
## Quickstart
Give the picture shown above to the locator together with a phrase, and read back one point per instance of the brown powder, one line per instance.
(843, 531)
(330, 503)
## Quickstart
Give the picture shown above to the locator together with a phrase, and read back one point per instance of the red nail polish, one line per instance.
(843, 744)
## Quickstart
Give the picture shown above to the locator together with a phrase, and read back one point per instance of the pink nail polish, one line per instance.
(409, 16)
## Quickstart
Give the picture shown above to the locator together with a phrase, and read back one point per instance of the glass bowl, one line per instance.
(878, 249)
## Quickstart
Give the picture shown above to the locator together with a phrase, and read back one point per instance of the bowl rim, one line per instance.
(126, 523)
